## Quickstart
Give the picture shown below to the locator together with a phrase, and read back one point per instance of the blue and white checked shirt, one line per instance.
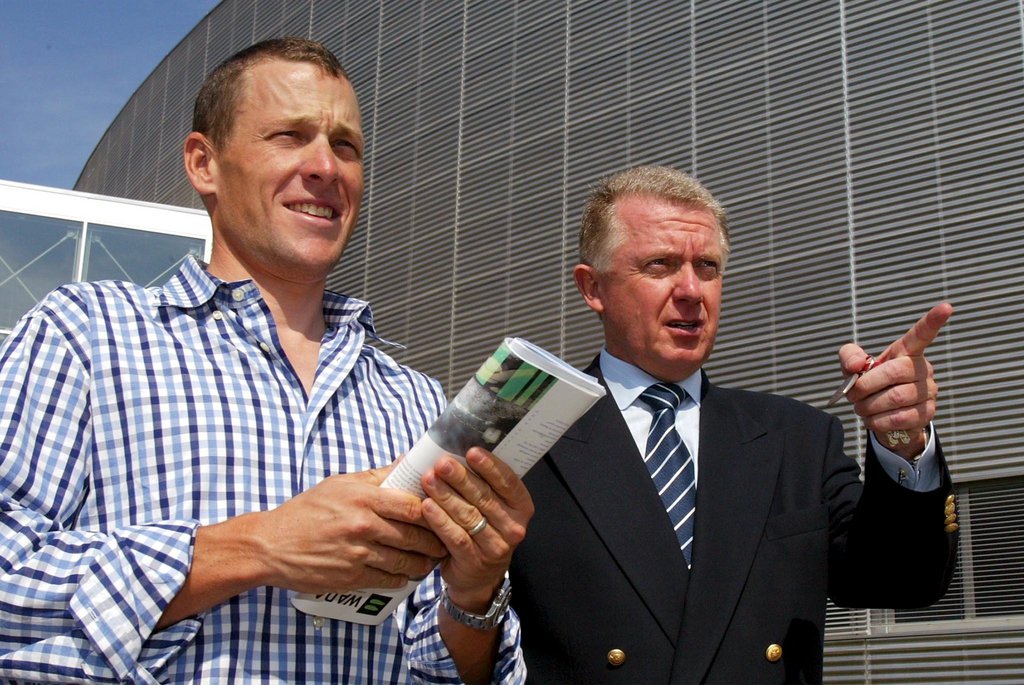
(129, 417)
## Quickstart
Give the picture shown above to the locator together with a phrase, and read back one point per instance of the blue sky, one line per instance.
(66, 69)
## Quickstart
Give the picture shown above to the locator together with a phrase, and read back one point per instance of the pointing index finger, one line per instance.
(914, 342)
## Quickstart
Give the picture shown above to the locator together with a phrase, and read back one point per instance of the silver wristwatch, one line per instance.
(495, 612)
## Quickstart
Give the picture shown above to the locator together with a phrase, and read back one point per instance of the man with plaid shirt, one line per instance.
(175, 462)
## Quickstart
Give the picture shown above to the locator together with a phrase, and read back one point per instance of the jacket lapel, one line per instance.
(602, 469)
(738, 464)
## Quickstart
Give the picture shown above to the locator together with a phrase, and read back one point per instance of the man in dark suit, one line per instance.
(699, 543)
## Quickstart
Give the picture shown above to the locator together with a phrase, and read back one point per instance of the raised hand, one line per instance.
(896, 396)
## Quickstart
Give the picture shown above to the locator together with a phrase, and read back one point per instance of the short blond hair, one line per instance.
(599, 234)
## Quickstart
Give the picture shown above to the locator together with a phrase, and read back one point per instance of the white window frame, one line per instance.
(88, 209)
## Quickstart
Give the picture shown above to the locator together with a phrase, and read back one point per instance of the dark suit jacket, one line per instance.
(782, 521)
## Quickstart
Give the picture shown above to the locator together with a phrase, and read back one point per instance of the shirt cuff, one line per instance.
(922, 474)
(427, 656)
(125, 587)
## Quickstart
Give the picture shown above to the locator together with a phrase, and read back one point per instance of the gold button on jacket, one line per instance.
(616, 657)
(773, 653)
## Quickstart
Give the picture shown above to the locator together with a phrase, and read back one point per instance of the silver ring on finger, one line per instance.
(480, 525)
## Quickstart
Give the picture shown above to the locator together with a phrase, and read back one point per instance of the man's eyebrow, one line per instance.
(338, 130)
(345, 131)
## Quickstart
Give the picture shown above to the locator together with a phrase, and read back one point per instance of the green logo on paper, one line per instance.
(373, 605)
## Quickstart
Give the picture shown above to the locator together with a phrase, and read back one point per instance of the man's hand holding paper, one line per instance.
(480, 515)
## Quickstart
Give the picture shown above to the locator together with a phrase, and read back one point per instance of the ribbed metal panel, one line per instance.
(868, 151)
(936, 100)
(984, 657)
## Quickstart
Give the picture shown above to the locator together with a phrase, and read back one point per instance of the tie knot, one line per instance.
(663, 396)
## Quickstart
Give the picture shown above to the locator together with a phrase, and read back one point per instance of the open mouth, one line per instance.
(684, 325)
(320, 211)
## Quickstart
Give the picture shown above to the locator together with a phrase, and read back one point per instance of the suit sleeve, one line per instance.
(882, 534)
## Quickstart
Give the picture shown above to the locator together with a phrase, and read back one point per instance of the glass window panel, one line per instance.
(143, 257)
(37, 254)
(988, 581)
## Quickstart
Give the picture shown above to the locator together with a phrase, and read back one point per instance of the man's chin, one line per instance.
(679, 363)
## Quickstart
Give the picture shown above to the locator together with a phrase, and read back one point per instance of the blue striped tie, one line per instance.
(670, 463)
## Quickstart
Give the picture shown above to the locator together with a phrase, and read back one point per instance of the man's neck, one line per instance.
(296, 310)
(620, 369)
(299, 317)
(298, 314)
(626, 381)
(296, 306)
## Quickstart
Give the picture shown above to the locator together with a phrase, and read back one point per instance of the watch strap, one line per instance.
(495, 613)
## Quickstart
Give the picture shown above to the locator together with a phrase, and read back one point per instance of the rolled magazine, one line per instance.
(520, 401)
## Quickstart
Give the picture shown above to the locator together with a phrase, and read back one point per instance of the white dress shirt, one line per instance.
(626, 382)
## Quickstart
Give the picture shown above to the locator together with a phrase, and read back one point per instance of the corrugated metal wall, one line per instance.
(868, 152)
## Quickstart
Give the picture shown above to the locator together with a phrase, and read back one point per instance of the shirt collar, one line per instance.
(340, 309)
(192, 287)
(626, 382)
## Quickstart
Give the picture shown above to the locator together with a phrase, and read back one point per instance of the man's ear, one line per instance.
(200, 163)
(588, 283)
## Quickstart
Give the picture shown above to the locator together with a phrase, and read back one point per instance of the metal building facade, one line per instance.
(868, 152)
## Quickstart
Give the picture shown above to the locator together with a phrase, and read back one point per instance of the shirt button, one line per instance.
(238, 295)
(318, 622)
(265, 347)
(217, 316)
